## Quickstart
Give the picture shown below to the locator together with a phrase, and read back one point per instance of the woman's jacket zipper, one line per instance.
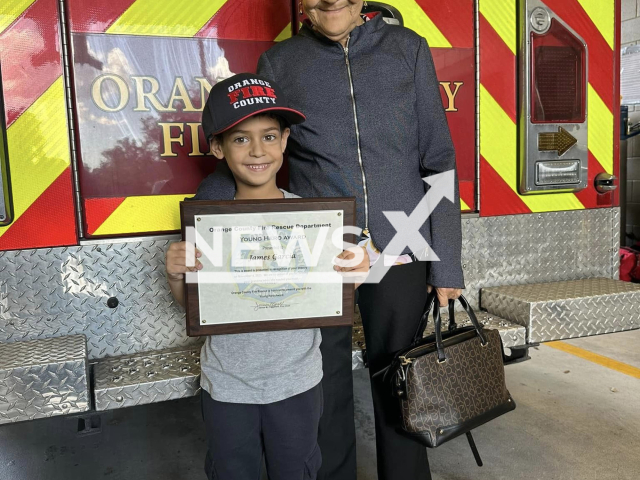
(355, 119)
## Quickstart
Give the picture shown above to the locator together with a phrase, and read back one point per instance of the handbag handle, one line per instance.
(431, 299)
(438, 321)
(452, 315)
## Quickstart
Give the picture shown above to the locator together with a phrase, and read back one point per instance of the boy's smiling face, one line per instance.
(253, 150)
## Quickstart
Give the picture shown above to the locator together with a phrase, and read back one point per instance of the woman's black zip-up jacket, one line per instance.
(388, 73)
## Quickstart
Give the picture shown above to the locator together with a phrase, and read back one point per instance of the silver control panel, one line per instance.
(553, 72)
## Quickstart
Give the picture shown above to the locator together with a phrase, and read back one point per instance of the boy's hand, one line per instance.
(344, 265)
(176, 260)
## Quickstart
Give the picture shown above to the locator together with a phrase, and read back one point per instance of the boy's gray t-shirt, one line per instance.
(261, 367)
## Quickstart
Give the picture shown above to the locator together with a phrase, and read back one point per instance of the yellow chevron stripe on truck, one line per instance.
(183, 18)
(151, 213)
(603, 15)
(284, 34)
(498, 146)
(10, 10)
(600, 138)
(417, 20)
(38, 148)
(502, 15)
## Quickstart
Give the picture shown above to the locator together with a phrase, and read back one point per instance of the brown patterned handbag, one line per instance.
(449, 383)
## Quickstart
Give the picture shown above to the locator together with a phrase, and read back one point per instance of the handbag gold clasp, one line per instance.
(405, 361)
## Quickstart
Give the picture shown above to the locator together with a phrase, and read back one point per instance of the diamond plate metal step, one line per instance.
(568, 309)
(43, 378)
(146, 378)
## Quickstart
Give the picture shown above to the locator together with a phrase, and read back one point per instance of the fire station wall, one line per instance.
(631, 36)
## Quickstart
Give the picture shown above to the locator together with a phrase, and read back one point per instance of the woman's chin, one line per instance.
(335, 31)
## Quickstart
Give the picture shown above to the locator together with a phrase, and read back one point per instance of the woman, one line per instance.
(375, 126)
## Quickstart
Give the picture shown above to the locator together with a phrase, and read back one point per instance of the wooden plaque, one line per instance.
(235, 211)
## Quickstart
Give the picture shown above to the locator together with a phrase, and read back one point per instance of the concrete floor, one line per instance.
(575, 420)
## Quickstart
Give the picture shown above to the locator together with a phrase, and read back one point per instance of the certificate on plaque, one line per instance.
(267, 264)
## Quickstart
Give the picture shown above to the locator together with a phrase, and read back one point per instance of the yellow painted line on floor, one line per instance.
(595, 358)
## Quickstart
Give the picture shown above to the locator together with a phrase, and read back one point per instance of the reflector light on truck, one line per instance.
(558, 76)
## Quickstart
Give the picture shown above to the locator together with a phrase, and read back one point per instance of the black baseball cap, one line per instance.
(239, 97)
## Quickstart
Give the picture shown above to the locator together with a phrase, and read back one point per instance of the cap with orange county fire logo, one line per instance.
(239, 97)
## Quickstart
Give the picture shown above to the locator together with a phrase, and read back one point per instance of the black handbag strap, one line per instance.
(438, 322)
(472, 316)
(474, 449)
(431, 297)
(452, 315)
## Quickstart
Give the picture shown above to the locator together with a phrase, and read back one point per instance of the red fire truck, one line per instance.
(101, 139)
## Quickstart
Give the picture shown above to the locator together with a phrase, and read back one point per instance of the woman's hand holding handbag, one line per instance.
(449, 383)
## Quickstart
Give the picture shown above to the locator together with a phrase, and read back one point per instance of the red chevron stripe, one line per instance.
(468, 193)
(603, 70)
(498, 68)
(498, 75)
(454, 18)
(48, 222)
(243, 56)
(30, 57)
(97, 210)
(248, 20)
(95, 16)
(496, 196)
(600, 54)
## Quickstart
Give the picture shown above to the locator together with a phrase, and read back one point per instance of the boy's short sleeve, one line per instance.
(289, 194)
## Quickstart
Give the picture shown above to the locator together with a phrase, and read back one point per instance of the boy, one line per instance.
(261, 392)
